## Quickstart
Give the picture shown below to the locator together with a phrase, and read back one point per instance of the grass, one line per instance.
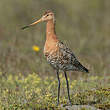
(30, 92)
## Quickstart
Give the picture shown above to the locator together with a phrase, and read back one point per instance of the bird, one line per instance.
(58, 55)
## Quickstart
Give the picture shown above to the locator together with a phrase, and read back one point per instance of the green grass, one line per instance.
(32, 93)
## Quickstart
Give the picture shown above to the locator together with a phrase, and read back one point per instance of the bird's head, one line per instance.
(48, 15)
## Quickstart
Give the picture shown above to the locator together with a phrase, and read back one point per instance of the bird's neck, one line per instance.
(50, 30)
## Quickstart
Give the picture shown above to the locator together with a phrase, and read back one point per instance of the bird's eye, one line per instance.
(47, 15)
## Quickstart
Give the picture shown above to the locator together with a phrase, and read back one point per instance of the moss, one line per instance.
(32, 92)
(103, 106)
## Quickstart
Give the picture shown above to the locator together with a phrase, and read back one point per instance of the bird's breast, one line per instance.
(50, 48)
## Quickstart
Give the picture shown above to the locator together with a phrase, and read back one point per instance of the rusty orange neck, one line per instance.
(51, 38)
(50, 30)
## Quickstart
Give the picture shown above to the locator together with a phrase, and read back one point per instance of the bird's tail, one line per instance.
(80, 67)
(83, 69)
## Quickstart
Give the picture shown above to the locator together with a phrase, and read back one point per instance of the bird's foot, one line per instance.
(58, 103)
(70, 103)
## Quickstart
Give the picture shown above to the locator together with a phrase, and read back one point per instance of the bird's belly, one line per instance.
(58, 63)
(53, 61)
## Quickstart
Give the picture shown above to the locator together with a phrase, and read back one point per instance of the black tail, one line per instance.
(80, 67)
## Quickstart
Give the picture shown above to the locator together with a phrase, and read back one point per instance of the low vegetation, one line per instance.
(32, 93)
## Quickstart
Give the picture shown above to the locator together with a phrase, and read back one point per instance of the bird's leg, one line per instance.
(67, 83)
(58, 87)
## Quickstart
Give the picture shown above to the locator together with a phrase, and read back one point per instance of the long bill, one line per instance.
(31, 24)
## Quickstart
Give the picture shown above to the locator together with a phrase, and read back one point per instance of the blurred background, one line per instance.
(84, 25)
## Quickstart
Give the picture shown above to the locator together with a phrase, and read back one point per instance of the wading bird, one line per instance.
(58, 55)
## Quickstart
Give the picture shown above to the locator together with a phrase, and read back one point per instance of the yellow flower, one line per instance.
(35, 48)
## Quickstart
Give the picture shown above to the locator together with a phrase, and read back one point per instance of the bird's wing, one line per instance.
(68, 57)
(67, 54)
